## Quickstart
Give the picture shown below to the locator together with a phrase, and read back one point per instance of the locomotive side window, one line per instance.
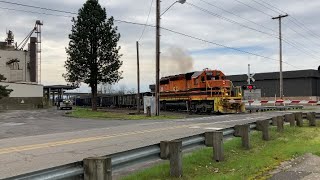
(209, 76)
(202, 78)
(196, 82)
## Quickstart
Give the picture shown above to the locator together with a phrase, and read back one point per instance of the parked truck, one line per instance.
(64, 104)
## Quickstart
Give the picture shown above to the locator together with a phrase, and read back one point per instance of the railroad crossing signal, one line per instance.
(249, 87)
(250, 76)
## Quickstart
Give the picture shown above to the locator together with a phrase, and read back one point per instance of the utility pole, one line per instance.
(249, 75)
(138, 79)
(157, 93)
(280, 54)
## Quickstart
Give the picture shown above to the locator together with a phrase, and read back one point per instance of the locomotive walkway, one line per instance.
(20, 155)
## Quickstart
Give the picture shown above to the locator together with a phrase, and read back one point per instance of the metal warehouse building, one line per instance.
(303, 83)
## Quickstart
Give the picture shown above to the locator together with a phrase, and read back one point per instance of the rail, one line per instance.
(127, 158)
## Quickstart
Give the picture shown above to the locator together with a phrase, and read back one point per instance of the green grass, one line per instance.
(240, 163)
(87, 113)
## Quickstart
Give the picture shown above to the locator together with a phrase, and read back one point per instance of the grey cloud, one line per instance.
(180, 18)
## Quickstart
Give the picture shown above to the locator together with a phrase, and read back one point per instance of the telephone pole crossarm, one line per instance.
(280, 16)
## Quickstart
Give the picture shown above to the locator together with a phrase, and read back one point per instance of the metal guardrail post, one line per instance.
(291, 119)
(263, 126)
(311, 116)
(175, 153)
(218, 152)
(97, 168)
(243, 131)
(299, 120)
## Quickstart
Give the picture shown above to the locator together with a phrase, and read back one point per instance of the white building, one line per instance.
(19, 67)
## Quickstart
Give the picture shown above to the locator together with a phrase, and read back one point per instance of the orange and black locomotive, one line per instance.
(201, 91)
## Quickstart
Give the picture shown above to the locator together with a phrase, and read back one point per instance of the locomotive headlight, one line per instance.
(226, 94)
(240, 94)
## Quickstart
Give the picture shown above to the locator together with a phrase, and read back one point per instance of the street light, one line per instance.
(180, 1)
(158, 15)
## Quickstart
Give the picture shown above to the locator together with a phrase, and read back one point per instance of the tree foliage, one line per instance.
(93, 51)
(4, 92)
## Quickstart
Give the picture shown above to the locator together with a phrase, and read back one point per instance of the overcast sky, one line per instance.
(181, 54)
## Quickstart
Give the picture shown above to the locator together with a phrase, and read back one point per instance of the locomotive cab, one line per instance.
(212, 82)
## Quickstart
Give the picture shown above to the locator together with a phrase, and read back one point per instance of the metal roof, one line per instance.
(65, 87)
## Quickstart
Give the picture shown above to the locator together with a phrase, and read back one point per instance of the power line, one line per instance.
(224, 46)
(34, 12)
(302, 35)
(230, 12)
(254, 8)
(248, 27)
(229, 20)
(265, 6)
(56, 10)
(293, 43)
(279, 10)
(295, 21)
(199, 39)
(68, 12)
(176, 32)
(302, 26)
(144, 28)
(286, 41)
(38, 7)
(217, 44)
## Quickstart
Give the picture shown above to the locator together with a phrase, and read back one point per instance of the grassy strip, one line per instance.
(239, 163)
(87, 113)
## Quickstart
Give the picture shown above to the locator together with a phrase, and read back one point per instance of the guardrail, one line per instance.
(160, 151)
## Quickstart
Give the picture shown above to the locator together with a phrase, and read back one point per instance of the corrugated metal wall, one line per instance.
(296, 83)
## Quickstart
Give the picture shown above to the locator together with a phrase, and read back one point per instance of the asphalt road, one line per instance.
(60, 140)
(48, 121)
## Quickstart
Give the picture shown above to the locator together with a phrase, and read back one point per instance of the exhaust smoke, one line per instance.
(175, 61)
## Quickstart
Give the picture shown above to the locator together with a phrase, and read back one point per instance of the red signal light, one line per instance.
(249, 87)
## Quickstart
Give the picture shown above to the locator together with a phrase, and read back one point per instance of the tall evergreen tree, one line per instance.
(93, 52)
(4, 92)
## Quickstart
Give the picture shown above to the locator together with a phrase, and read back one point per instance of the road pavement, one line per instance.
(48, 121)
(306, 167)
(82, 138)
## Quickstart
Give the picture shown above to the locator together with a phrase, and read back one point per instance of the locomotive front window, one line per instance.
(202, 78)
